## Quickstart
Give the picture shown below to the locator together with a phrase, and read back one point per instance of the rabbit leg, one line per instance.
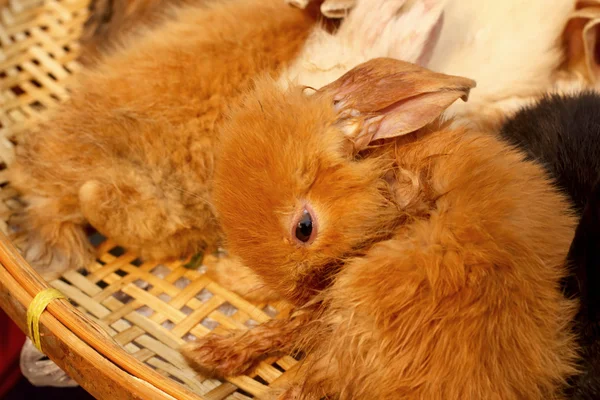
(150, 220)
(51, 236)
(241, 351)
(230, 273)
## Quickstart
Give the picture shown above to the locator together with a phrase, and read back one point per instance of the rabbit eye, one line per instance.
(304, 229)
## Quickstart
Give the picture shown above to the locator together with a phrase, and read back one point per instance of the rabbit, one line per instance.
(512, 48)
(561, 132)
(132, 151)
(405, 29)
(424, 260)
(434, 33)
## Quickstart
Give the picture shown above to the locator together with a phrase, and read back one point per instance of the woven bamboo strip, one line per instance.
(83, 361)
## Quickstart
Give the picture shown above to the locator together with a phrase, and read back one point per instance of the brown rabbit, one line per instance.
(110, 20)
(132, 151)
(427, 260)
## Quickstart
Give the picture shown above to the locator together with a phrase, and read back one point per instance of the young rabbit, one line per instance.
(132, 151)
(398, 28)
(561, 132)
(401, 29)
(512, 48)
(426, 260)
(439, 34)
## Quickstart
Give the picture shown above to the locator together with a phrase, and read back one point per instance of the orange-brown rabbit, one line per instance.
(111, 20)
(132, 151)
(426, 259)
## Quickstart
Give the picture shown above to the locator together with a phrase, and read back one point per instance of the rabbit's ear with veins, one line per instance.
(385, 98)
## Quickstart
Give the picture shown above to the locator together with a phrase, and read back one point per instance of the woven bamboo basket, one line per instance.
(118, 333)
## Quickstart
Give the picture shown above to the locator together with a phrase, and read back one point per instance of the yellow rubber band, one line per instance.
(35, 310)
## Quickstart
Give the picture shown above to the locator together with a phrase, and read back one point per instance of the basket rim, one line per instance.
(83, 327)
(14, 299)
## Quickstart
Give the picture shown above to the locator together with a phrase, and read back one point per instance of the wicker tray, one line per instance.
(118, 335)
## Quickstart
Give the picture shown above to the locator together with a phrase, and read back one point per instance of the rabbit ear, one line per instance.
(385, 98)
(582, 37)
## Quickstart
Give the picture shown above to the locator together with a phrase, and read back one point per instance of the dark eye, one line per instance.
(304, 227)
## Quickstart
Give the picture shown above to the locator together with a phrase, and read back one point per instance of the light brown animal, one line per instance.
(426, 259)
(132, 152)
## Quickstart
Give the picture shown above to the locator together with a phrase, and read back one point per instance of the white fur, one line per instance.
(381, 28)
(510, 47)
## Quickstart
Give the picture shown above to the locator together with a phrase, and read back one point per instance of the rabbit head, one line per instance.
(300, 186)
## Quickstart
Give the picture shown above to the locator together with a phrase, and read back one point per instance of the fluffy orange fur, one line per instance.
(435, 270)
(232, 274)
(110, 20)
(132, 152)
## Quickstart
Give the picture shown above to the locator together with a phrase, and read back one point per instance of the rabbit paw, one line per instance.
(54, 250)
(233, 275)
(218, 356)
(337, 8)
(329, 8)
(241, 351)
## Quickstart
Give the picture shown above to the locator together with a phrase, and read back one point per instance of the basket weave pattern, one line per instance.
(149, 309)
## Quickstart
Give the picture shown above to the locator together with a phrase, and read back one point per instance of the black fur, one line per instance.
(563, 133)
(584, 258)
